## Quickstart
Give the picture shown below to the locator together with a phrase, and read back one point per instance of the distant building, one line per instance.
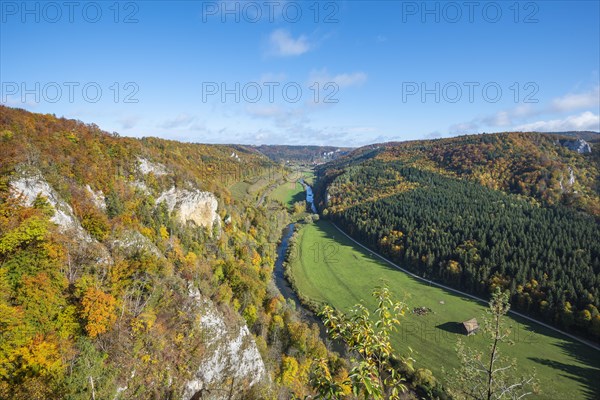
(471, 326)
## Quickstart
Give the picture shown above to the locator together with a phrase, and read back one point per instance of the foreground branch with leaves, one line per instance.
(378, 372)
(487, 375)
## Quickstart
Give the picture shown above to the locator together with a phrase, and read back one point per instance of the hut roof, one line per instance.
(471, 326)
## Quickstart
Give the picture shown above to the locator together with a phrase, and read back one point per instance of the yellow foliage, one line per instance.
(343, 380)
(149, 233)
(145, 321)
(99, 311)
(39, 356)
(164, 233)
(256, 259)
(453, 267)
(289, 370)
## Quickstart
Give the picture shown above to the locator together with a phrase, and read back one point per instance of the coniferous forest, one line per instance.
(468, 235)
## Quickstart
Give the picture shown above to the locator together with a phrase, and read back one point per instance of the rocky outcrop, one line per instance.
(192, 205)
(232, 363)
(579, 145)
(131, 242)
(571, 177)
(146, 166)
(97, 197)
(141, 186)
(30, 184)
(570, 181)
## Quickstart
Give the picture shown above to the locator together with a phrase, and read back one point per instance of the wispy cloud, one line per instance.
(575, 101)
(582, 122)
(285, 114)
(342, 80)
(180, 121)
(519, 118)
(501, 118)
(464, 127)
(283, 117)
(282, 44)
(433, 135)
(129, 121)
(272, 77)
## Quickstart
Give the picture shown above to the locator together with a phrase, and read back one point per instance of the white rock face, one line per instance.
(570, 182)
(571, 176)
(231, 353)
(141, 186)
(133, 241)
(579, 145)
(31, 184)
(97, 197)
(145, 166)
(192, 205)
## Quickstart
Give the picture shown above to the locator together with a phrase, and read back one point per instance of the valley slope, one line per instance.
(128, 269)
(512, 210)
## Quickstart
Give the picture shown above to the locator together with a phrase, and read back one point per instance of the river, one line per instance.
(309, 196)
(282, 283)
(286, 289)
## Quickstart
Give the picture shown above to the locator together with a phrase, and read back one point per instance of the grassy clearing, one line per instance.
(331, 269)
(250, 188)
(239, 190)
(288, 193)
(309, 177)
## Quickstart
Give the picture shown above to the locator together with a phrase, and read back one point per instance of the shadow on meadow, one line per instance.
(587, 376)
(300, 196)
(451, 327)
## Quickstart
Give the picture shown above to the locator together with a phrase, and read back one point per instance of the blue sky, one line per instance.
(344, 73)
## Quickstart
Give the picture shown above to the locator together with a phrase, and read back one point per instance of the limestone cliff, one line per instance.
(233, 362)
(192, 205)
(579, 145)
(30, 183)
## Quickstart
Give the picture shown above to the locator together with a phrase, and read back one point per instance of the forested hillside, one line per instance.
(128, 271)
(538, 166)
(301, 154)
(515, 210)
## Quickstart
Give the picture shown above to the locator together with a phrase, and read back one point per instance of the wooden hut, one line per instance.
(471, 326)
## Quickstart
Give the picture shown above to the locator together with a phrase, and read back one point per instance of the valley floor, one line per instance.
(333, 269)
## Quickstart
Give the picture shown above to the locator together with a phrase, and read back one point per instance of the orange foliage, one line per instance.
(99, 311)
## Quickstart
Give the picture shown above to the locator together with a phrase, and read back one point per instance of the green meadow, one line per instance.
(288, 193)
(330, 268)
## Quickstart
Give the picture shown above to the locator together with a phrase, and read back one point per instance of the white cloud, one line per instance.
(128, 122)
(272, 77)
(574, 101)
(433, 135)
(181, 121)
(584, 121)
(286, 114)
(464, 127)
(361, 129)
(282, 44)
(345, 80)
(501, 118)
(265, 111)
(517, 118)
(342, 80)
(283, 117)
